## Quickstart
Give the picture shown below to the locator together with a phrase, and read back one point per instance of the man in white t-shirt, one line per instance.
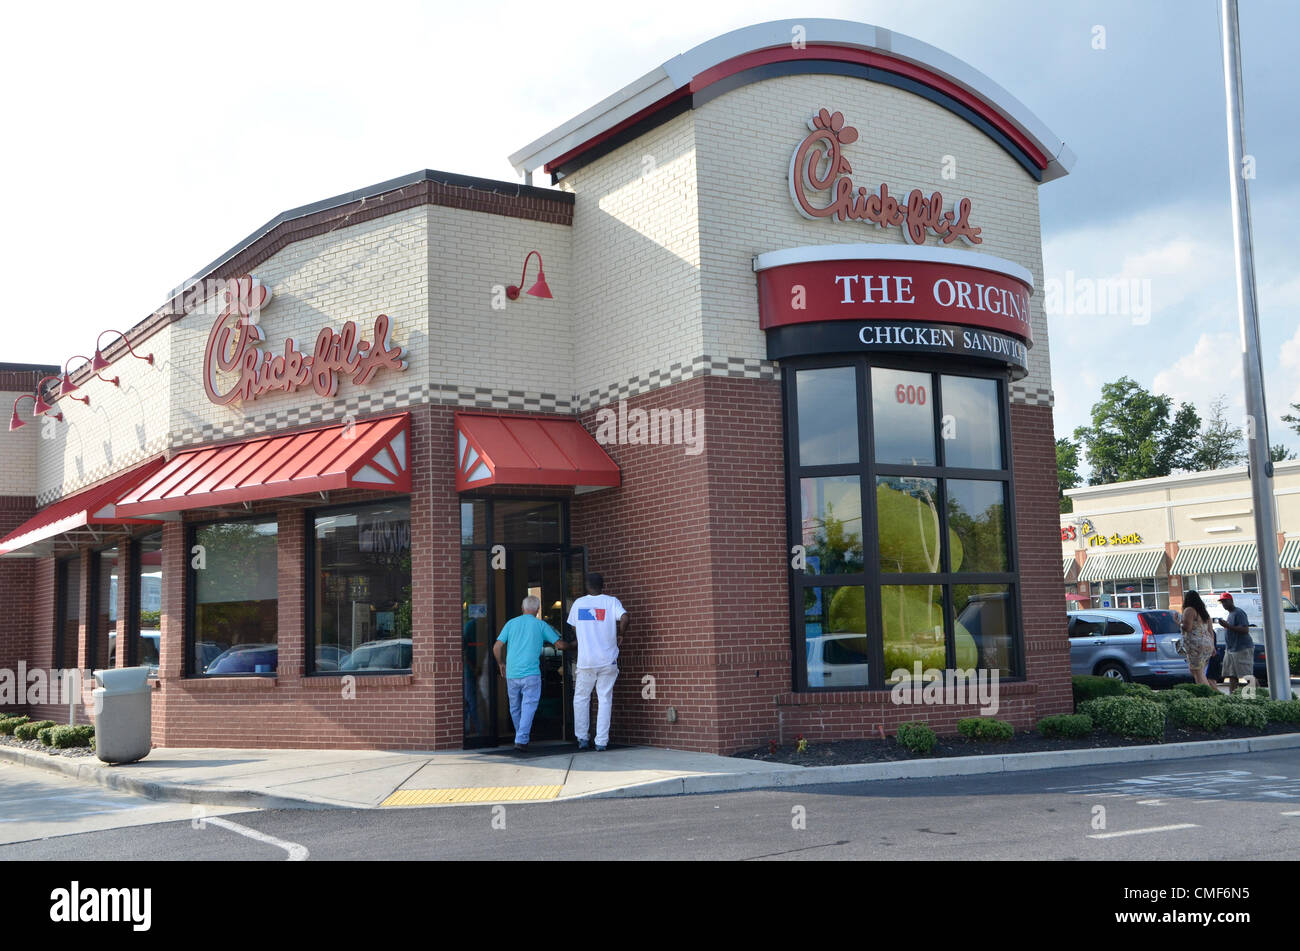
(600, 622)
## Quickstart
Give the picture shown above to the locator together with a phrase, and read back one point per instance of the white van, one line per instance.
(1251, 604)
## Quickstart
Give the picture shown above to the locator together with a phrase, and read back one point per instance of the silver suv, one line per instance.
(1136, 644)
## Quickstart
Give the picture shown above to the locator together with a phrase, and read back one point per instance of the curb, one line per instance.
(117, 777)
(947, 766)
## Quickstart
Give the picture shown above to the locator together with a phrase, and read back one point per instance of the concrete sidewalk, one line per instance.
(369, 779)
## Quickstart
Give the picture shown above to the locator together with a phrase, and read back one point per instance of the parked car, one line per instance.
(246, 659)
(1127, 644)
(390, 654)
(837, 660)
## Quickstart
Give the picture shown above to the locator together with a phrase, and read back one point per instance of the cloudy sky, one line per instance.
(144, 140)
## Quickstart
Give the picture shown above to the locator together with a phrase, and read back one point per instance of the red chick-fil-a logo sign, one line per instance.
(233, 348)
(819, 165)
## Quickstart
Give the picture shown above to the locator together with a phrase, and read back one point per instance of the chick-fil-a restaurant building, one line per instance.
(770, 355)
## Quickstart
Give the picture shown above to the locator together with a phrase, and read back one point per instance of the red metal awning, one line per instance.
(371, 454)
(76, 515)
(509, 449)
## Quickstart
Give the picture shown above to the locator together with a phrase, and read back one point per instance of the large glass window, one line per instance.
(105, 575)
(146, 626)
(67, 635)
(234, 597)
(362, 603)
(901, 500)
(1205, 584)
(1132, 593)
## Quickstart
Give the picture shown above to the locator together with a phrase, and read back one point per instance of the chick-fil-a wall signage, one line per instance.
(233, 348)
(819, 165)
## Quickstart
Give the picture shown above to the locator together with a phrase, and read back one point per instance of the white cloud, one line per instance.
(1212, 368)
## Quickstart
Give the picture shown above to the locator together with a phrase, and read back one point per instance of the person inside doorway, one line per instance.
(518, 649)
(601, 622)
(1238, 646)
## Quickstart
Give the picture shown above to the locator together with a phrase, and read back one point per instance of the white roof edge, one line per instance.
(681, 69)
(889, 252)
(1209, 475)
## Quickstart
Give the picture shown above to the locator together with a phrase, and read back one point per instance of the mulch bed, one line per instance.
(840, 752)
(40, 747)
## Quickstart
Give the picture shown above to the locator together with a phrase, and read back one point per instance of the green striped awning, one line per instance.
(1205, 559)
(1124, 564)
(1290, 557)
(1067, 566)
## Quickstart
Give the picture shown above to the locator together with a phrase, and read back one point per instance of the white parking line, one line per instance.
(1116, 835)
(297, 853)
(1290, 813)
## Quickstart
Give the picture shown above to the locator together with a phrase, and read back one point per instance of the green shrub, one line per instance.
(1293, 652)
(28, 731)
(1198, 690)
(1141, 691)
(985, 728)
(1065, 725)
(1199, 713)
(64, 737)
(44, 735)
(1126, 716)
(1252, 715)
(917, 736)
(1237, 697)
(1089, 688)
(7, 726)
(1283, 711)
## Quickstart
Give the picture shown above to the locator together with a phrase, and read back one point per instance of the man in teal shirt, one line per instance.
(521, 641)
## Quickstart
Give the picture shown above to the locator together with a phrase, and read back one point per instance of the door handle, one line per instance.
(1099, 641)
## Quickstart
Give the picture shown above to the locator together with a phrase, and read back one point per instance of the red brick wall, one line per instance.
(17, 594)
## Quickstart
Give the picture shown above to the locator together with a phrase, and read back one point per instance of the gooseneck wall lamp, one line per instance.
(540, 289)
(42, 407)
(14, 421)
(100, 363)
(67, 386)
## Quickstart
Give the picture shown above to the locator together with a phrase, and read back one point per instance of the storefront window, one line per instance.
(528, 522)
(1244, 581)
(234, 597)
(147, 592)
(105, 575)
(67, 635)
(1131, 593)
(933, 580)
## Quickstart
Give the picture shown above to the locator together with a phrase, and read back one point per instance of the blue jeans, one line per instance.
(524, 694)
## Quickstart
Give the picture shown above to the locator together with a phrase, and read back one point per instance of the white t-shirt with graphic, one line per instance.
(595, 618)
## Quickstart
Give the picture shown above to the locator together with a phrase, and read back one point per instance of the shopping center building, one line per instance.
(770, 355)
(1142, 544)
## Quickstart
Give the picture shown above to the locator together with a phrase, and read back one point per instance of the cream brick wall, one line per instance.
(744, 142)
(636, 253)
(18, 449)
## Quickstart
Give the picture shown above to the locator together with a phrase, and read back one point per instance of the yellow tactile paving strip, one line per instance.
(435, 797)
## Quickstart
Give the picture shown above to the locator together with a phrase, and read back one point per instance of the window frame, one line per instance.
(310, 579)
(62, 569)
(872, 578)
(134, 592)
(92, 621)
(191, 591)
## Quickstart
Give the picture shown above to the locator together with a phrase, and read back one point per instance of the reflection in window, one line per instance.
(835, 631)
(524, 522)
(828, 416)
(148, 593)
(907, 511)
(903, 417)
(983, 627)
(236, 598)
(912, 615)
(972, 428)
(103, 635)
(473, 523)
(68, 636)
(832, 524)
(363, 588)
(977, 517)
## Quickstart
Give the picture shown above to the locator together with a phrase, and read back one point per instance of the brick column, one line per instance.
(293, 588)
(125, 548)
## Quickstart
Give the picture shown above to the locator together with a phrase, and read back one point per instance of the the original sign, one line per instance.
(819, 165)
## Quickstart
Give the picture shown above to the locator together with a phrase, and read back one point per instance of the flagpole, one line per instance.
(1260, 464)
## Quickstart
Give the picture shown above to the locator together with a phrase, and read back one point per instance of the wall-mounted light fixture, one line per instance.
(67, 386)
(540, 289)
(43, 407)
(100, 363)
(14, 421)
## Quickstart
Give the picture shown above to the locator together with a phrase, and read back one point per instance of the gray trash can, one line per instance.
(123, 718)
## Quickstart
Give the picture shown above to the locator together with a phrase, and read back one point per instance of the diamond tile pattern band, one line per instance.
(367, 404)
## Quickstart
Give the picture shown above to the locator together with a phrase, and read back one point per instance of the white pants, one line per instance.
(602, 678)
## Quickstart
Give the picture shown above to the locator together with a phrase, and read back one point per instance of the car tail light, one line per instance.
(1148, 638)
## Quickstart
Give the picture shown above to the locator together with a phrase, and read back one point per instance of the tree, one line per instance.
(1220, 444)
(1131, 436)
(1292, 418)
(1067, 471)
(1280, 453)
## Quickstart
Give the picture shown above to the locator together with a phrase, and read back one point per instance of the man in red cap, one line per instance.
(1238, 648)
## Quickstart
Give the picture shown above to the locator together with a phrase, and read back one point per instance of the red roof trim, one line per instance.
(530, 450)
